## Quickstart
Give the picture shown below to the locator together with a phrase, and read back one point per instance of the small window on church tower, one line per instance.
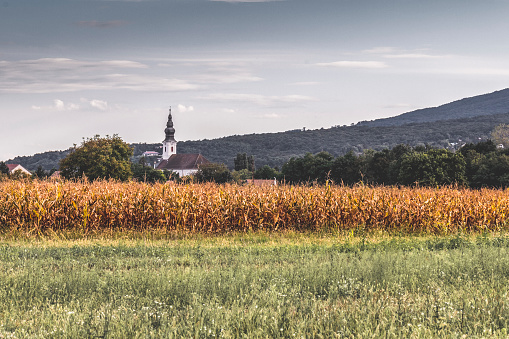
(172, 148)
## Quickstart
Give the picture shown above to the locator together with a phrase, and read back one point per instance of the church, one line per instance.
(183, 164)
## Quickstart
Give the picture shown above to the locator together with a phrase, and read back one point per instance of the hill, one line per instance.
(486, 104)
(274, 149)
(446, 126)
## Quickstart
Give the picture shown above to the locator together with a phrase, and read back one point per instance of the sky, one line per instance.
(72, 69)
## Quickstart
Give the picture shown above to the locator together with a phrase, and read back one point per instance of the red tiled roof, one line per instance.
(183, 162)
(16, 167)
(12, 166)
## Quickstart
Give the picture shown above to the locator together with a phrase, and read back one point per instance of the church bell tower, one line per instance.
(169, 143)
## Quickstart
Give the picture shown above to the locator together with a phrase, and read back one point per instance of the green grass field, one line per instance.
(255, 286)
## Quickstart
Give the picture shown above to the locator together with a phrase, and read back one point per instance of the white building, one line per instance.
(17, 167)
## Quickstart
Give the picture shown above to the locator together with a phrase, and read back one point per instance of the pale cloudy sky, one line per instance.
(75, 68)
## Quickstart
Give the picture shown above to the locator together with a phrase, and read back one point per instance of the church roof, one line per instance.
(182, 162)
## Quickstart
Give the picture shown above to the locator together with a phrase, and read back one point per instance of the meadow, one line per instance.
(256, 286)
(130, 260)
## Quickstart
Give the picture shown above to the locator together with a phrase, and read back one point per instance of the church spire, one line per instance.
(169, 142)
(169, 130)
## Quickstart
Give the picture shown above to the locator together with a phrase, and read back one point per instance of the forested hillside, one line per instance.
(274, 149)
(486, 104)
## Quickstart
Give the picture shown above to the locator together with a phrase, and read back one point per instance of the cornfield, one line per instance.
(209, 208)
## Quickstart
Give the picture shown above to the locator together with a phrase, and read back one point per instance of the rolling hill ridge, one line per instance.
(447, 126)
(485, 104)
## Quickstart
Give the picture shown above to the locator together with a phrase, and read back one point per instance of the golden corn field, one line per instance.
(209, 208)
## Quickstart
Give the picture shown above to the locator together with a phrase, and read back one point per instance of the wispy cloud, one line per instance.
(101, 24)
(354, 64)
(395, 53)
(68, 75)
(99, 104)
(184, 109)
(227, 77)
(58, 105)
(414, 56)
(380, 50)
(258, 99)
(269, 116)
(214, 71)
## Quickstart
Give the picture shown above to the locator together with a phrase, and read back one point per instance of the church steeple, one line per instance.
(169, 130)
(169, 142)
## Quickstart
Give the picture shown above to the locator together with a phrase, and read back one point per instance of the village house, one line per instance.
(17, 167)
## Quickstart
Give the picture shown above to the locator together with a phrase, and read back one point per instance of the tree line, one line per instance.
(474, 165)
(484, 164)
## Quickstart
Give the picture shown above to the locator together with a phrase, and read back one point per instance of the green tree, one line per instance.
(432, 167)
(500, 135)
(483, 147)
(213, 172)
(309, 168)
(40, 173)
(3, 168)
(266, 172)
(98, 158)
(241, 176)
(243, 161)
(492, 170)
(147, 174)
(347, 169)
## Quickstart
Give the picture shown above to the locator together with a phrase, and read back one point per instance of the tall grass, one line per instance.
(88, 207)
(449, 287)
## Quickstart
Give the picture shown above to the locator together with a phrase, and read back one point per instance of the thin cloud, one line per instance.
(67, 75)
(58, 105)
(257, 99)
(101, 24)
(380, 50)
(394, 53)
(214, 71)
(414, 56)
(355, 64)
(99, 104)
(269, 116)
(184, 109)
(225, 78)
